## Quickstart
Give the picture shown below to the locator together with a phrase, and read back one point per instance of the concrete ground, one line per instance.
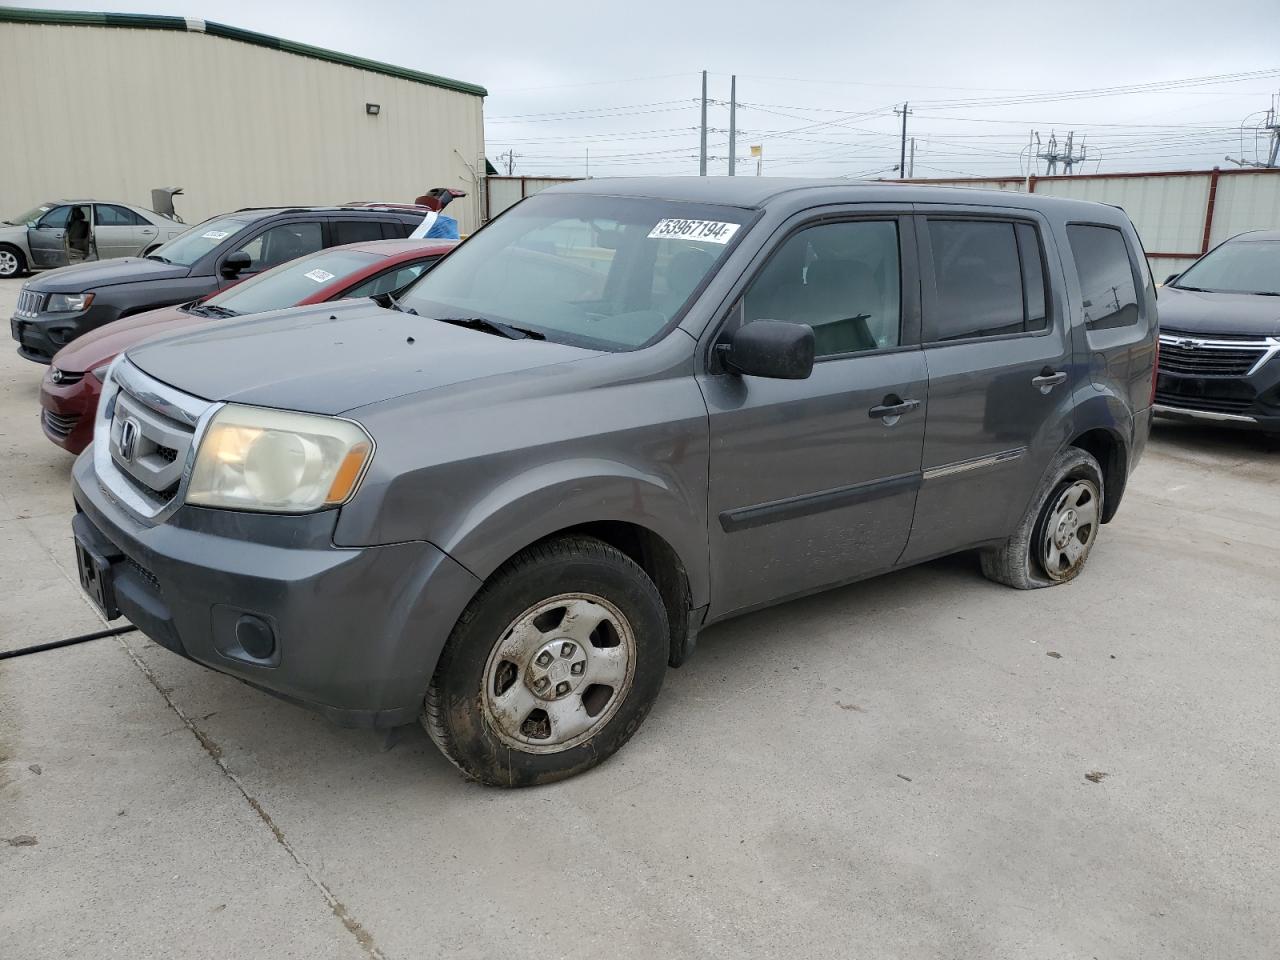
(924, 765)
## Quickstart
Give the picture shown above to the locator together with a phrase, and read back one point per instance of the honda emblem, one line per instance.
(129, 431)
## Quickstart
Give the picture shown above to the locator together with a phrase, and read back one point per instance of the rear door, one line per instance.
(813, 482)
(47, 239)
(115, 231)
(998, 349)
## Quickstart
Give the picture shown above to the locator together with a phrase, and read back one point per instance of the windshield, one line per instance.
(186, 248)
(29, 218)
(1239, 266)
(605, 272)
(292, 282)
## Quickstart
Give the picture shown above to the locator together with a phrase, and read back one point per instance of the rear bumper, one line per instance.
(356, 632)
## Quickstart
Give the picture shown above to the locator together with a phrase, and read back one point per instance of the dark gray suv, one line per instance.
(624, 410)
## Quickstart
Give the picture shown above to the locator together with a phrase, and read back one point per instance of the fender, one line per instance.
(555, 496)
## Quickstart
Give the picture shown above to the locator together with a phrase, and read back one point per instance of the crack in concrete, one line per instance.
(354, 927)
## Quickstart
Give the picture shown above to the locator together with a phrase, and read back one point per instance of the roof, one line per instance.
(1258, 235)
(752, 192)
(148, 21)
(396, 249)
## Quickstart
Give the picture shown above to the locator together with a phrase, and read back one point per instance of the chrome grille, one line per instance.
(145, 436)
(1197, 356)
(30, 303)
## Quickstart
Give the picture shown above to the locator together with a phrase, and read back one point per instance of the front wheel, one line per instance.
(12, 262)
(551, 668)
(1054, 537)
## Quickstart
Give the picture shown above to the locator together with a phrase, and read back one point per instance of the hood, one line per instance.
(104, 273)
(101, 344)
(334, 357)
(1242, 314)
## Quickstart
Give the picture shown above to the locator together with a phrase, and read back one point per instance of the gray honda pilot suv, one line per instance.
(625, 409)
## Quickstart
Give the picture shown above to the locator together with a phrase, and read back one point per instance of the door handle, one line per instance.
(891, 408)
(1048, 379)
(149, 232)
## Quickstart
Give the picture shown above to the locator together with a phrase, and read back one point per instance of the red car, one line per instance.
(69, 393)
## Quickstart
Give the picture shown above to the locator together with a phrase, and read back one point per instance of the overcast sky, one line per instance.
(817, 79)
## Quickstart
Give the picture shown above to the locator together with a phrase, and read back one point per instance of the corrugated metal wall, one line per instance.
(1170, 210)
(112, 112)
(504, 192)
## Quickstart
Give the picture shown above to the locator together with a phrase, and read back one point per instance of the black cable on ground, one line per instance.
(68, 642)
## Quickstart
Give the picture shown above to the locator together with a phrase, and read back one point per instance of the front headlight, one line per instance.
(68, 302)
(254, 458)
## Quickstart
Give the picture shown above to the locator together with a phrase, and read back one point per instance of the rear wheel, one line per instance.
(1052, 541)
(12, 262)
(552, 667)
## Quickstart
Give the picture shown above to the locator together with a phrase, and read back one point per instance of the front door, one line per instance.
(998, 349)
(47, 240)
(813, 482)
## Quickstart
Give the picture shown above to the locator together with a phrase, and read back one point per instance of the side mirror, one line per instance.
(769, 348)
(236, 262)
(1172, 277)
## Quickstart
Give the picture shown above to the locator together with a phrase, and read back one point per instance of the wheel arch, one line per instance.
(24, 260)
(1108, 447)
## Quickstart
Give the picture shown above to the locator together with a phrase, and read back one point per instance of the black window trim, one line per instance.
(427, 259)
(908, 242)
(1139, 287)
(928, 280)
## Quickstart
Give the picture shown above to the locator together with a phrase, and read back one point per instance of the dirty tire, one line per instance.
(1017, 562)
(455, 712)
(12, 262)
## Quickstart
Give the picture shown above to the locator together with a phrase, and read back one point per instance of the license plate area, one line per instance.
(96, 579)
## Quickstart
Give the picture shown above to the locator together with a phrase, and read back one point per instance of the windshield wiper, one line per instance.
(1264, 293)
(156, 256)
(394, 304)
(1180, 286)
(486, 325)
(212, 310)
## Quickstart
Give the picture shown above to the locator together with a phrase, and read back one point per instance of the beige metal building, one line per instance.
(108, 106)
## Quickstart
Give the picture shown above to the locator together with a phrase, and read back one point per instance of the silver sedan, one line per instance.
(60, 232)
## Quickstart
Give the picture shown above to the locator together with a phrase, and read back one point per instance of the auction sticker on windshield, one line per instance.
(214, 235)
(319, 276)
(706, 231)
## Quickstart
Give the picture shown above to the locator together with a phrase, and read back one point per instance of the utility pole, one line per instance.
(902, 154)
(702, 151)
(911, 161)
(1271, 124)
(587, 170)
(510, 157)
(733, 124)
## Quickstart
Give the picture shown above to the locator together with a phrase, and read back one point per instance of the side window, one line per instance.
(282, 243)
(979, 280)
(843, 279)
(395, 230)
(1034, 293)
(1107, 285)
(389, 282)
(356, 231)
(57, 217)
(109, 215)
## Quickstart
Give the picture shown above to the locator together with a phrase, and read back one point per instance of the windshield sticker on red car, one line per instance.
(703, 231)
(215, 235)
(319, 276)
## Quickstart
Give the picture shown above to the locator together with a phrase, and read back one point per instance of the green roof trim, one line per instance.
(147, 21)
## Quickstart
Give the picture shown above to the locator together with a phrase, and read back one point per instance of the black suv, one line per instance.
(1220, 336)
(56, 307)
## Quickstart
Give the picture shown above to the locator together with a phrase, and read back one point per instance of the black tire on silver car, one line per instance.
(1052, 541)
(551, 668)
(12, 262)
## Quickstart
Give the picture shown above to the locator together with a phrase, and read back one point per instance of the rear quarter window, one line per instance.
(1108, 283)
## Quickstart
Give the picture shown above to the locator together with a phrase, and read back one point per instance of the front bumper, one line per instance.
(357, 632)
(1250, 401)
(67, 409)
(41, 336)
